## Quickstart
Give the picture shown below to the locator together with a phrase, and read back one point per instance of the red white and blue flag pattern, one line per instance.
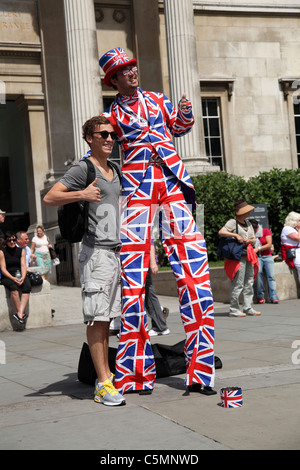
(139, 142)
(112, 58)
(165, 190)
(231, 397)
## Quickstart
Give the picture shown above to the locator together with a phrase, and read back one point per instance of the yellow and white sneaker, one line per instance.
(111, 378)
(106, 394)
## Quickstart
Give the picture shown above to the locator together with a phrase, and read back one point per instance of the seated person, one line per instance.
(22, 242)
(12, 263)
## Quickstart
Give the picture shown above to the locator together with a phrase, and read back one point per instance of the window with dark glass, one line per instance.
(213, 131)
(297, 130)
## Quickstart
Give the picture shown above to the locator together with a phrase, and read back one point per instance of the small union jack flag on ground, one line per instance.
(231, 397)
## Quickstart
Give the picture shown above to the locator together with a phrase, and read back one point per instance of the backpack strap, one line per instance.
(91, 170)
(91, 174)
(113, 165)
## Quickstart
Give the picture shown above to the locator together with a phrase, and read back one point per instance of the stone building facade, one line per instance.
(237, 61)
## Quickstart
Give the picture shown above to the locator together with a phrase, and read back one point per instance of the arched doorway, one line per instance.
(13, 175)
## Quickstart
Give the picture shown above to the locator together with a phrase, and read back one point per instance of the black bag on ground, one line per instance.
(86, 371)
(169, 360)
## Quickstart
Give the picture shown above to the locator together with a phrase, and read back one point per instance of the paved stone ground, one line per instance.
(43, 406)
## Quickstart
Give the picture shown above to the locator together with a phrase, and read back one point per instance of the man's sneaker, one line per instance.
(153, 332)
(261, 301)
(165, 332)
(111, 378)
(108, 395)
(237, 313)
(251, 311)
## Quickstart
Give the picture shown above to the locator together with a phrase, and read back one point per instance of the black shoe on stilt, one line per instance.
(199, 388)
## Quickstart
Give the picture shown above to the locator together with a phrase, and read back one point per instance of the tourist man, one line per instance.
(99, 258)
(22, 242)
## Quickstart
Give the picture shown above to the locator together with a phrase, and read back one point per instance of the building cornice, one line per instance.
(247, 6)
(274, 7)
(17, 49)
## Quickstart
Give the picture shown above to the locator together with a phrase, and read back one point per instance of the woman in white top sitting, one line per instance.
(40, 247)
(290, 237)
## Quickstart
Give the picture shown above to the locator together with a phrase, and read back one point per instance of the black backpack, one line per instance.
(73, 217)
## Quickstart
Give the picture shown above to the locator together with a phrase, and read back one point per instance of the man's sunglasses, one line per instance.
(105, 134)
(126, 72)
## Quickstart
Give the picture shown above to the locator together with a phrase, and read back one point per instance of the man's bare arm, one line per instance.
(60, 195)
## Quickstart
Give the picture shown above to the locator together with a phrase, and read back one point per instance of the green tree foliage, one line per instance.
(218, 191)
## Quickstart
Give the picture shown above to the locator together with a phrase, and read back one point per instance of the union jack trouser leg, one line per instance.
(186, 250)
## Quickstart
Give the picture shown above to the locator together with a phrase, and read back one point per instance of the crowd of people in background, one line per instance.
(257, 260)
(14, 250)
(17, 260)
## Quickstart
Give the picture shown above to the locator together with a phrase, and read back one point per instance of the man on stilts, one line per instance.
(155, 179)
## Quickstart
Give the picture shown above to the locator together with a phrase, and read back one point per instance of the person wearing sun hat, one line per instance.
(154, 176)
(241, 273)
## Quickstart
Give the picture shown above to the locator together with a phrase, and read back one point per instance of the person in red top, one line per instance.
(266, 263)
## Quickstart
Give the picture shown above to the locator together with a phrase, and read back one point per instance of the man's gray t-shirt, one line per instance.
(103, 218)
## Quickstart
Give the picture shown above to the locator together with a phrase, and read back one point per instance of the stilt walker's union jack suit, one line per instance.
(154, 178)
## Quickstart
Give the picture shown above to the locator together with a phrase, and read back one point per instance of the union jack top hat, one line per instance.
(112, 61)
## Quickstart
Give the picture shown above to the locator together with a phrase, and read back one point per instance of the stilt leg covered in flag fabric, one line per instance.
(160, 191)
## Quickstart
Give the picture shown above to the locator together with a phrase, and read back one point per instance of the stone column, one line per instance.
(184, 78)
(146, 18)
(84, 70)
(35, 141)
